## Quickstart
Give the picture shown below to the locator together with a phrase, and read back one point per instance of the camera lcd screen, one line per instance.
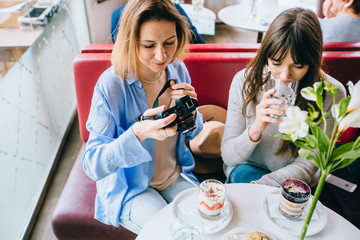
(36, 12)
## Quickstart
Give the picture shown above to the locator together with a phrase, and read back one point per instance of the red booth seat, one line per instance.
(211, 75)
(227, 47)
(73, 217)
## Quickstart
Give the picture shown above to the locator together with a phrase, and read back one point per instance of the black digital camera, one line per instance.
(183, 109)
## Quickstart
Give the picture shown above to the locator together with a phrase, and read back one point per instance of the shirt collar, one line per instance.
(171, 73)
(130, 79)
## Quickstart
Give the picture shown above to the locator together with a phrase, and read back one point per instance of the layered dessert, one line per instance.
(294, 197)
(211, 200)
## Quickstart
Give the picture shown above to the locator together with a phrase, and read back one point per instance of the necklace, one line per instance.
(143, 80)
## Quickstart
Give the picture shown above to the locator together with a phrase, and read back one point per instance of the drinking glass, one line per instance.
(285, 91)
(198, 5)
(253, 9)
(211, 199)
(187, 227)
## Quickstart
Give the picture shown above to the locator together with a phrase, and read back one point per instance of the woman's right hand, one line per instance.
(262, 119)
(154, 128)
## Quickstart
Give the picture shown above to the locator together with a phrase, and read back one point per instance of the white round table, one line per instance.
(247, 203)
(203, 20)
(258, 17)
(240, 16)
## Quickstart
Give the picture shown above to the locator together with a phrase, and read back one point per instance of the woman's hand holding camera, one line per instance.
(262, 119)
(181, 89)
(154, 128)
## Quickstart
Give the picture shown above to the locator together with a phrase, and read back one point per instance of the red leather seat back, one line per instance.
(224, 47)
(87, 70)
(97, 48)
(342, 65)
(227, 47)
(212, 73)
(342, 46)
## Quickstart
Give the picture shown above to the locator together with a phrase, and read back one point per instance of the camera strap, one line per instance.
(166, 86)
(141, 117)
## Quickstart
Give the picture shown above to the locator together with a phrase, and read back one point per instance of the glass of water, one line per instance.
(187, 228)
(198, 5)
(285, 91)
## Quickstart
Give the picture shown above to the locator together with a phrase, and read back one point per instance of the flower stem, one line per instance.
(318, 191)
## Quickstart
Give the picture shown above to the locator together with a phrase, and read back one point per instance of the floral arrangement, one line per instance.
(315, 145)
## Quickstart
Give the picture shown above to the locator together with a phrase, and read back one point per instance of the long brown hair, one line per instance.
(296, 31)
(124, 56)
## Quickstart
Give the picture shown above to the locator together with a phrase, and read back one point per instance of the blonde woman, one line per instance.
(137, 164)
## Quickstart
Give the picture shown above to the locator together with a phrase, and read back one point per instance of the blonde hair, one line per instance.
(124, 57)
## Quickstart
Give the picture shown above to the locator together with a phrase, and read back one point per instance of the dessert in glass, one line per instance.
(294, 197)
(211, 199)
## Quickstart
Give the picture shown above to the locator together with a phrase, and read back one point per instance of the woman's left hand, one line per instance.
(181, 89)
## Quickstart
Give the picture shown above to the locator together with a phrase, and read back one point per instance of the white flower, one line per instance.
(294, 124)
(335, 112)
(309, 93)
(354, 91)
(316, 85)
(350, 120)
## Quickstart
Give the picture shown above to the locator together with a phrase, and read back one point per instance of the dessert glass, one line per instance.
(211, 200)
(294, 197)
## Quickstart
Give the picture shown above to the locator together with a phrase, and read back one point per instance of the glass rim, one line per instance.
(213, 181)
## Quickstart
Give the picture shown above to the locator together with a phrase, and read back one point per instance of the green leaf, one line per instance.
(344, 163)
(343, 106)
(328, 85)
(282, 136)
(350, 154)
(304, 145)
(311, 141)
(306, 154)
(331, 89)
(342, 149)
(319, 97)
(313, 114)
(321, 138)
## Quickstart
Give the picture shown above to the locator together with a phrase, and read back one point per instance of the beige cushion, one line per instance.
(206, 145)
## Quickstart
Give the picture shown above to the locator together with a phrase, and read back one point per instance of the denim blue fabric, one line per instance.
(149, 202)
(245, 173)
(122, 166)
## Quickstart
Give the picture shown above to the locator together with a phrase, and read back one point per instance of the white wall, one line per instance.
(99, 19)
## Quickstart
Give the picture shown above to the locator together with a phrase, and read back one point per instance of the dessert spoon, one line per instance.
(192, 182)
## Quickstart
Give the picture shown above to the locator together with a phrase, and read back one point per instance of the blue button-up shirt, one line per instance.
(122, 166)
